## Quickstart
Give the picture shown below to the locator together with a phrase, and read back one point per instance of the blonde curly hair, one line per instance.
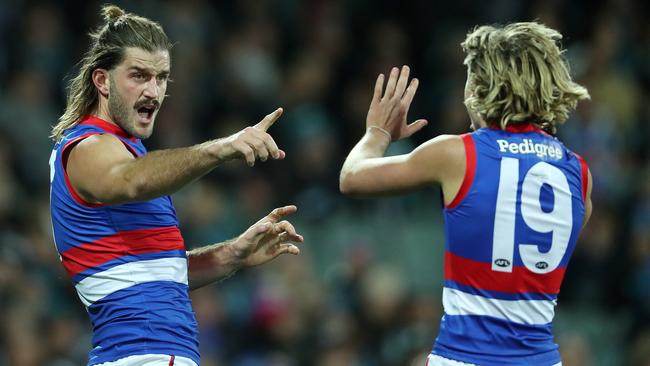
(517, 73)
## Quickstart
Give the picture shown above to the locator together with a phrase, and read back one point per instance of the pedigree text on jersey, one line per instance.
(529, 147)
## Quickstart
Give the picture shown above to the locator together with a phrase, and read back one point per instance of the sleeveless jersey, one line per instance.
(127, 262)
(510, 232)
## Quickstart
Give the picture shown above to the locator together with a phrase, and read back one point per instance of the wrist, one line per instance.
(376, 130)
(236, 254)
(378, 136)
(216, 150)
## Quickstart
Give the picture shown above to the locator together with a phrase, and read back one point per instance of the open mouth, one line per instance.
(146, 113)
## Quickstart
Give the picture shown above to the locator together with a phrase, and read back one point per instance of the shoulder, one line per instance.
(98, 140)
(443, 143)
(443, 148)
(98, 146)
(442, 156)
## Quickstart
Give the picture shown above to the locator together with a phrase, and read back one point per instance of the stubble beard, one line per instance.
(120, 112)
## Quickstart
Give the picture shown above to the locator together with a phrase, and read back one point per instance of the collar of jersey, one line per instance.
(520, 127)
(106, 126)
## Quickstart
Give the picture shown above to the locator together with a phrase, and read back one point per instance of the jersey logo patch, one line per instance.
(529, 147)
(502, 262)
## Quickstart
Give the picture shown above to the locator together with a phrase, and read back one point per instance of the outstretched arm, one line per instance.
(102, 170)
(367, 172)
(265, 240)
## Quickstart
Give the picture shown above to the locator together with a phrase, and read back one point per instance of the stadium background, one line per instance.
(366, 289)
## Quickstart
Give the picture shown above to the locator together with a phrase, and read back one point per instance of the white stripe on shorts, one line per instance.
(435, 360)
(150, 360)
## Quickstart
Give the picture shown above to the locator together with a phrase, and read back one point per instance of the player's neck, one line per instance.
(102, 111)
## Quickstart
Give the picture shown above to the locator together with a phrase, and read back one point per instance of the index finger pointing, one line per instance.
(269, 120)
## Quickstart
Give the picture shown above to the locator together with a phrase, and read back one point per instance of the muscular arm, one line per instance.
(102, 170)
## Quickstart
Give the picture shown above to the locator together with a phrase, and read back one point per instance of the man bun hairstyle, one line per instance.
(108, 45)
(111, 12)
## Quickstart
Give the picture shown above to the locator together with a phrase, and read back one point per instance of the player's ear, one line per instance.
(101, 81)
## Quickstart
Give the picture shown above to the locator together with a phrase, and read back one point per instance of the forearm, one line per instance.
(164, 172)
(372, 145)
(212, 263)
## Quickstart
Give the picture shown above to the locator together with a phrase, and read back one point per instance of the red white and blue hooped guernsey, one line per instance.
(510, 232)
(127, 262)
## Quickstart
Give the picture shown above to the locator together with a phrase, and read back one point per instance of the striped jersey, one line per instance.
(510, 232)
(126, 261)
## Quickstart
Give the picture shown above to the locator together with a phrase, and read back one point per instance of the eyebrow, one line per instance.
(148, 70)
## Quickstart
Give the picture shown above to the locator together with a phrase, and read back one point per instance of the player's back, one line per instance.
(509, 235)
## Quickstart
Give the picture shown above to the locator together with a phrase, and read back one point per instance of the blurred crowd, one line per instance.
(366, 288)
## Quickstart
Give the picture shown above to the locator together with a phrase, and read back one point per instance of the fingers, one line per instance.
(284, 234)
(286, 248)
(258, 147)
(415, 127)
(410, 93)
(272, 147)
(246, 151)
(280, 212)
(379, 85)
(392, 81)
(402, 82)
(279, 232)
(268, 121)
(252, 143)
(286, 231)
(256, 232)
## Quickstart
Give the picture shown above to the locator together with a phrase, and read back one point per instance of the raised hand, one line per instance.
(268, 238)
(252, 142)
(388, 108)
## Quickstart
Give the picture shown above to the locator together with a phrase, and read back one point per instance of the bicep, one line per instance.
(95, 167)
(430, 163)
(385, 175)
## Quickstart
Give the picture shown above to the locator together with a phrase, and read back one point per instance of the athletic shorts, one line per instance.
(151, 360)
(435, 360)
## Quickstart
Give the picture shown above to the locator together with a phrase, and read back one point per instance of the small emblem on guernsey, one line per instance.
(501, 262)
(542, 150)
(541, 265)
